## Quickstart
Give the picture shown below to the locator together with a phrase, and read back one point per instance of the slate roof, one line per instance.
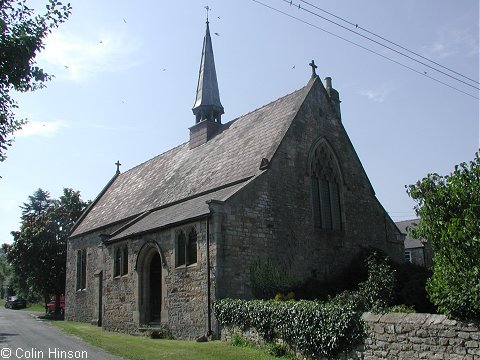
(180, 174)
(174, 214)
(410, 243)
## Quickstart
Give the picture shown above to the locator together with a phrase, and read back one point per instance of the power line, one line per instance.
(379, 43)
(365, 48)
(389, 41)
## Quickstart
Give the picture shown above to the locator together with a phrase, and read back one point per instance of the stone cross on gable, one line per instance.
(312, 64)
(118, 166)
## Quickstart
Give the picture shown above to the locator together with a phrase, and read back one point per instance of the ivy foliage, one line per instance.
(315, 329)
(449, 209)
(267, 280)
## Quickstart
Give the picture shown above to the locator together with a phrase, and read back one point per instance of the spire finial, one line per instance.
(118, 166)
(208, 9)
(312, 64)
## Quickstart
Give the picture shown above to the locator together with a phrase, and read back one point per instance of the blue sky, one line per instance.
(126, 74)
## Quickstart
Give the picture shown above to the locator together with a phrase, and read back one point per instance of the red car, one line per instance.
(50, 307)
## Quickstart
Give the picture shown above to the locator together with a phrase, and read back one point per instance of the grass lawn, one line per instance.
(144, 348)
(35, 307)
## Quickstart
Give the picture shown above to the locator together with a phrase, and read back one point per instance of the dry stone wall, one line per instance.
(419, 336)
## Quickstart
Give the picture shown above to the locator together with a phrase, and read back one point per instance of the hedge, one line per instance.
(313, 328)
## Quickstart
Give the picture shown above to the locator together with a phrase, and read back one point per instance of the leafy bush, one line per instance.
(316, 329)
(377, 292)
(347, 280)
(448, 207)
(238, 340)
(411, 287)
(289, 297)
(267, 280)
(278, 350)
(313, 328)
(401, 309)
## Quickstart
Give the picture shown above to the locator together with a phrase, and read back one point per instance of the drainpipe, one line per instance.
(209, 310)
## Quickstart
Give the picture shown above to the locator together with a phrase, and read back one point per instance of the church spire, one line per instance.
(207, 103)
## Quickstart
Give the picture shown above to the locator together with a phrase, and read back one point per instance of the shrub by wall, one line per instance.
(312, 328)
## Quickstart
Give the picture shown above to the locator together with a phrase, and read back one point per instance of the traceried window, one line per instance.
(326, 188)
(186, 248)
(81, 269)
(120, 265)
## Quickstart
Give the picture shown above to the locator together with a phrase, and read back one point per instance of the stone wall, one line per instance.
(419, 336)
(271, 217)
(183, 289)
(397, 336)
(124, 302)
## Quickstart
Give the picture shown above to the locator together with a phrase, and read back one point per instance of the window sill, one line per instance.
(183, 267)
(120, 276)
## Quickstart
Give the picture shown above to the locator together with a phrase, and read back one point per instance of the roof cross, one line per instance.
(208, 9)
(312, 64)
(118, 166)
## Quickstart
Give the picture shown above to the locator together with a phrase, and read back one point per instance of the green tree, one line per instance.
(38, 253)
(449, 209)
(4, 273)
(22, 35)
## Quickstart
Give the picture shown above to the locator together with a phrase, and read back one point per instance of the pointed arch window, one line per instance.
(186, 248)
(81, 269)
(180, 249)
(192, 247)
(120, 264)
(326, 188)
(125, 261)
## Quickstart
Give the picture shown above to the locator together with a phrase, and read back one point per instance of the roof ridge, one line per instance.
(225, 125)
(268, 104)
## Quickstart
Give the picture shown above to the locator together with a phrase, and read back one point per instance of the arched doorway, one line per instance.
(151, 271)
(155, 289)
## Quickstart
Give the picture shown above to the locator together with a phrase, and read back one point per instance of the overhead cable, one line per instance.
(365, 48)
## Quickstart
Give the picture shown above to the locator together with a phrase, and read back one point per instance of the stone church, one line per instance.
(165, 239)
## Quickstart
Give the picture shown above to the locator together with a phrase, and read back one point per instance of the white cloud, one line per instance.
(81, 58)
(452, 42)
(41, 128)
(375, 95)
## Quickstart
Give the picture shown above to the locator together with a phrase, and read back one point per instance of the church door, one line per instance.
(155, 288)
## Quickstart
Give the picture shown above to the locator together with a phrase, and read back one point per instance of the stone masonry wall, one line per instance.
(184, 301)
(419, 336)
(271, 217)
(184, 294)
(82, 305)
